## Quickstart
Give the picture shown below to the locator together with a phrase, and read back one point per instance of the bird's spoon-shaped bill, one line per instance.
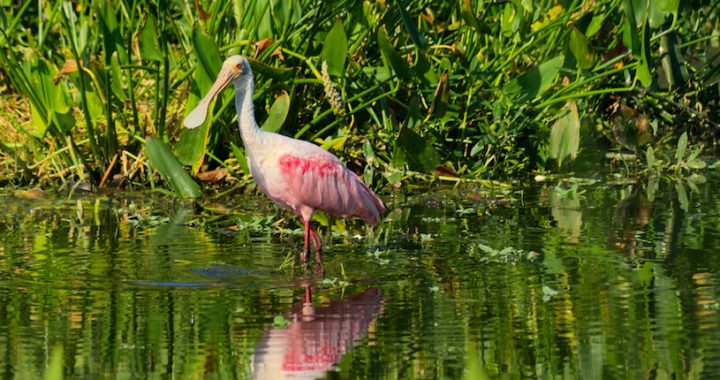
(198, 115)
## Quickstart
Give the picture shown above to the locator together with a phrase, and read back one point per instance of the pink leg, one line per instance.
(306, 250)
(317, 244)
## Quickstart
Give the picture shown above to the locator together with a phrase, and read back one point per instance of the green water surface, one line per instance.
(604, 282)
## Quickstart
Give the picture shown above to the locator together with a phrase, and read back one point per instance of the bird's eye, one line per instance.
(238, 66)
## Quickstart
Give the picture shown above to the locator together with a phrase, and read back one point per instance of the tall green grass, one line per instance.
(411, 88)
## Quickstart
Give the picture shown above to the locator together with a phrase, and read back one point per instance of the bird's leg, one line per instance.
(317, 244)
(306, 250)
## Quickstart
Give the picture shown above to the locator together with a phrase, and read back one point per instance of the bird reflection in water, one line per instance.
(631, 215)
(316, 338)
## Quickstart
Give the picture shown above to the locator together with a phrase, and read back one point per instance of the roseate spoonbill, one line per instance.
(296, 175)
(316, 338)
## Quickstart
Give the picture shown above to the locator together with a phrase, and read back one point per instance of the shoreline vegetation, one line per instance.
(94, 94)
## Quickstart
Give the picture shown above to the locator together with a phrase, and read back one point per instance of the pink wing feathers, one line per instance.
(322, 182)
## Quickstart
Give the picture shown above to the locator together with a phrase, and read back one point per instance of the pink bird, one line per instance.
(296, 175)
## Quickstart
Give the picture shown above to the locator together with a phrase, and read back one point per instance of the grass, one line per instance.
(402, 91)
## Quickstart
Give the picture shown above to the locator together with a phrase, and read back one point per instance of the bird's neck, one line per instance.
(249, 130)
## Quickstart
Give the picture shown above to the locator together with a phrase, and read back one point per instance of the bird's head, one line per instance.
(233, 68)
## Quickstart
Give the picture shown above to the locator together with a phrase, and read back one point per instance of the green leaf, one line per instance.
(565, 134)
(415, 35)
(392, 59)
(650, 157)
(148, 41)
(170, 168)
(240, 157)
(39, 124)
(208, 56)
(509, 21)
(681, 147)
(631, 38)
(640, 10)
(281, 11)
(581, 50)
(596, 23)
(656, 16)
(535, 81)
(643, 70)
(278, 113)
(192, 146)
(334, 50)
(112, 38)
(192, 143)
(117, 78)
(697, 164)
(636, 14)
(668, 5)
(421, 153)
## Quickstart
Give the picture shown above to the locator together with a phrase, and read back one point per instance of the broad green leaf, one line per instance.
(334, 50)
(631, 38)
(681, 147)
(697, 164)
(650, 157)
(263, 18)
(581, 50)
(278, 113)
(420, 152)
(65, 121)
(425, 71)
(643, 70)
(117, 79)
(565, 134)
(415, 35)
(192, 145)
(112, 38)
(95, 104)
(508, 21)
(240, 157)
(636, 14)
(281, 11)
(208, 57)
(640, 10)
(335, 144)
(536, 81)
(170, 168)
(39, 124)
(148, 41)
(670, 6)
(53, 107)
(596, 23)
(656, 16)
(393, 61)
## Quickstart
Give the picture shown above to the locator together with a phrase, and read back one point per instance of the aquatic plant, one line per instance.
(466, 88)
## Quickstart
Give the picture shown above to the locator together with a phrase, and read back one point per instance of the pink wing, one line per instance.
(321, 182)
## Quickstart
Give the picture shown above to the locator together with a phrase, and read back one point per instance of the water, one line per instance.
(601, 282)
